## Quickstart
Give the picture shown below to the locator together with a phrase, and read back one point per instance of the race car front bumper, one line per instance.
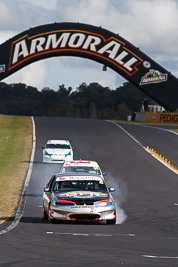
(83, 213)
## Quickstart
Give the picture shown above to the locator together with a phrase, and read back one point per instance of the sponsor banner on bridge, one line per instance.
(153, 76)
(94, 43)
(75, 41)
(156, 117)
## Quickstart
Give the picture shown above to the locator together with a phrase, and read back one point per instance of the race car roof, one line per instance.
(81, 163)
(58, 142)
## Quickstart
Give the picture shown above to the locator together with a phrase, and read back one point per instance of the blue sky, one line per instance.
(151, 25)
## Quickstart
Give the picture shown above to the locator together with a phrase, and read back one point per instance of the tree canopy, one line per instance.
(87, 101)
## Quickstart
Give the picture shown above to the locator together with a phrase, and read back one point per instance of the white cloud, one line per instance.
(151, 25)
(8, 16)
(35, 75)
(154, 25)
(72, 71)
(6, 34)
(47, 4)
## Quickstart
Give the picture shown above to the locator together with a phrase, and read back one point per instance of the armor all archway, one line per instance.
(95, 43)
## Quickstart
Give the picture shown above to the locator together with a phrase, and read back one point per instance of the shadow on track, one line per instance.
(42, 221)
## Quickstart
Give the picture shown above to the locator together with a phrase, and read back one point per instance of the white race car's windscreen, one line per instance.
(78, 169)
(80, 185)
(61, 146)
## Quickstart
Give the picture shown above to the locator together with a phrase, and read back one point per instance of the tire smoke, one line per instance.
(120, 196)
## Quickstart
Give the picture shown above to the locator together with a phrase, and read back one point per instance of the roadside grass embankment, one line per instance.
(15, 149)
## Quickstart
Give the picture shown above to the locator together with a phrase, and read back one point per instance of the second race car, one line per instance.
(81, 166)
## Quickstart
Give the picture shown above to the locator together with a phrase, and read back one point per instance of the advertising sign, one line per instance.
(95, 43)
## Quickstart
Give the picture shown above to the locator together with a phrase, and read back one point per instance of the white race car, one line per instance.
(57, 151)
(81, 166)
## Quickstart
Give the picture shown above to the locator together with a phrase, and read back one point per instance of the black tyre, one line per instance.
(111, 221)
(50, 220)
(45, 215)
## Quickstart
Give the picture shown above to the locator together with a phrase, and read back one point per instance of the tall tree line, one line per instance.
(87, 101)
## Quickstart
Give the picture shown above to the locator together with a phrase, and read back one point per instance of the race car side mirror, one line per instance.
(111, 189)
(104, 173)
(47, 189)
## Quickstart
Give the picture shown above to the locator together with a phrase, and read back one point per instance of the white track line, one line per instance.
(90, 234)
(150, 256)
(159, 257)
(126, 133)
(22, 201)
(162, 162)
(162, 129)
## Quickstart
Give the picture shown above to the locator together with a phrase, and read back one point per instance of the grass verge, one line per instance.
(15, 149)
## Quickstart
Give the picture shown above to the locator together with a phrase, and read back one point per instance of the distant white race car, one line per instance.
(57, 151)
(81, 166)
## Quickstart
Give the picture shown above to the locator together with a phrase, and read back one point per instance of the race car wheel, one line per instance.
(50, 220)
(45, 216)
(111, 221)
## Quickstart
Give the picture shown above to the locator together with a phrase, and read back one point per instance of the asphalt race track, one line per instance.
(146, 233)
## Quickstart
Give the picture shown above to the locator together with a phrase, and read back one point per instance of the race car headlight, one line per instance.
(68, 154)
(103, 203)
(54, 200)
(65, 203)
(47, 154)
